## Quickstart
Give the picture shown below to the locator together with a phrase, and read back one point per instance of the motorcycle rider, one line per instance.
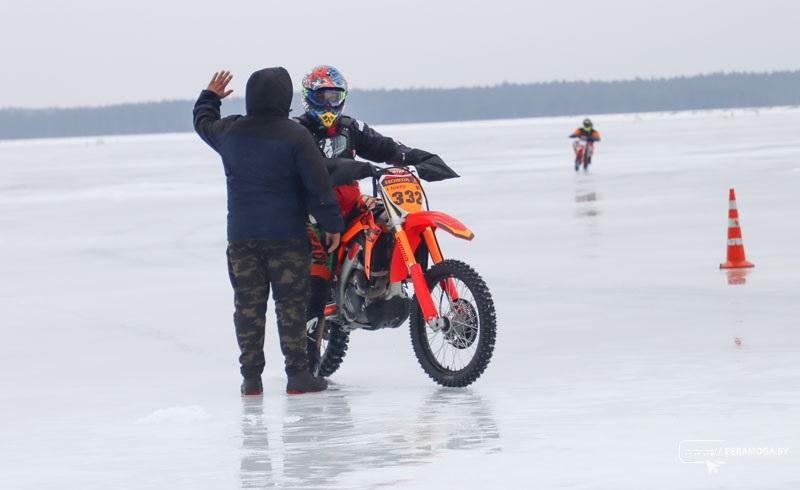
(341, 138)
(586, 133)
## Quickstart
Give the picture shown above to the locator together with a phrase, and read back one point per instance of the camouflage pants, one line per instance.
(254, 266)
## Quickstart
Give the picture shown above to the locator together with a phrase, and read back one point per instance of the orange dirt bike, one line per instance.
(583, 148)
(381, 279)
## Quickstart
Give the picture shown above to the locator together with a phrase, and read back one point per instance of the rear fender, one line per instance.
(414, 225)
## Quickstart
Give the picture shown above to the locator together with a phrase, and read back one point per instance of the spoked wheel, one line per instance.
(332, 350)
(456, 352)
(587, 158)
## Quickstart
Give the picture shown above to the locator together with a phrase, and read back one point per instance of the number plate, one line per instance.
(404, 191)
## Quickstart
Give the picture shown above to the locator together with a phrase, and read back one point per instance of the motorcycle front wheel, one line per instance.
(457, 352)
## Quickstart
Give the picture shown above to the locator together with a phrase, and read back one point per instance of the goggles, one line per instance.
(326, 97)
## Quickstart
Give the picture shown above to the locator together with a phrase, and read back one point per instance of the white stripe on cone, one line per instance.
(734, 241)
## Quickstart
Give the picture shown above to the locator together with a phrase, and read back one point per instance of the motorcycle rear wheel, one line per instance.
(333, 349)
(457, 354)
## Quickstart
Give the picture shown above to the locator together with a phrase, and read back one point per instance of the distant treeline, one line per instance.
(508, 100)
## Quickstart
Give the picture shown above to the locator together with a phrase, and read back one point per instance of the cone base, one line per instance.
(738, 264)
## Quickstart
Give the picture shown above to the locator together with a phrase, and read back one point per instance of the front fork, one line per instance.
(421, 289)
(448, 285)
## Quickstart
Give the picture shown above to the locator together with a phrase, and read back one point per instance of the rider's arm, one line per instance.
(372, 145)
(345, 170)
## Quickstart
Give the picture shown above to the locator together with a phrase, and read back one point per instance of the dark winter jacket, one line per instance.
(274, 171)
(349, 138)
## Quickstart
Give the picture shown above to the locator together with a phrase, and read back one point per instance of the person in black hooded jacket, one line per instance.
(275, 176)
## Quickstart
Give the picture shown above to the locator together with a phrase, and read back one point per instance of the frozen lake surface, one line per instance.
(616, 339)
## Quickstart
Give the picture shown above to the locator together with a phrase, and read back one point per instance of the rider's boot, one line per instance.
(305, 382)
(319, 294)
(312, 326)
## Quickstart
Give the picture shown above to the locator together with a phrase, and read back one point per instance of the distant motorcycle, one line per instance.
(380, 280)
(583, 148)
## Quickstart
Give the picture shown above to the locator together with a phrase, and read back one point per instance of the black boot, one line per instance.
(319, 294)
(252, 386)
(305, 382)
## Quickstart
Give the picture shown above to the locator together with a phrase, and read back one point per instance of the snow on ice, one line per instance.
(175, 414)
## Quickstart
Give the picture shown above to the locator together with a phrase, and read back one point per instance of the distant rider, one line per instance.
(324, 91)
(586, 133)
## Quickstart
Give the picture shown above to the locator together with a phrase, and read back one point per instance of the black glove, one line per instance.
(429, 166)
(414, 156)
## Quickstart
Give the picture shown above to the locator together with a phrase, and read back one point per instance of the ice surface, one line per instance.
(617, 332)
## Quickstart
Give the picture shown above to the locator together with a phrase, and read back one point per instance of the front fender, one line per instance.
(414, 225)
(416, 222)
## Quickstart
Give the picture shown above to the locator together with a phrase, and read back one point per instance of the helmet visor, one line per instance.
(327, 97)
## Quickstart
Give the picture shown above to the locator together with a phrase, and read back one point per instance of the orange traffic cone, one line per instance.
(736, 258)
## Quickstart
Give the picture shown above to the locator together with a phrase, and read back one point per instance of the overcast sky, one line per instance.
(96, 52)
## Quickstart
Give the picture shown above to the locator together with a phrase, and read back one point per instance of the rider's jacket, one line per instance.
(349, 138)
(592, 135)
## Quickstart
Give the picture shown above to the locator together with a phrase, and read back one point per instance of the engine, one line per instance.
(375, 302)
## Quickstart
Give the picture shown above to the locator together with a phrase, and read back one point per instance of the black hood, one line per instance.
(269, 93)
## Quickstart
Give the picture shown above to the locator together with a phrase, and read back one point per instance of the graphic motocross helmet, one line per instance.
(587, 124)
(324, 93)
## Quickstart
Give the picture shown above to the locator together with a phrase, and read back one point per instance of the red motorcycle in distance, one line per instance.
(381, 279)
(583, 148)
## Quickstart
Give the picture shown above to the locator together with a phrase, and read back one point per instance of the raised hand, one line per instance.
(219, 83)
